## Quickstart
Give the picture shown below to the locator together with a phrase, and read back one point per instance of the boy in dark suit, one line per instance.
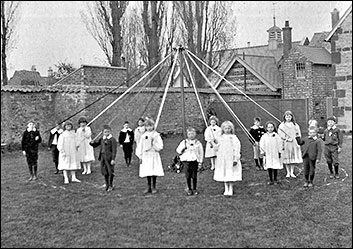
(30, 141)
(52, 144)
(333, 140)
(311, 153)
(108, 148)
(126, 141)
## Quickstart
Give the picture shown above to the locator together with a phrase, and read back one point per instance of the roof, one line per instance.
(315, 55)
(274, 28)
(263, 67)
(25, 77)
(318, 39)
(339, 23)
(258, 58)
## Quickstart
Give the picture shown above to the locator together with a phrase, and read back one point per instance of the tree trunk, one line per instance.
(118, 9)
(3, 45)
(152, 21)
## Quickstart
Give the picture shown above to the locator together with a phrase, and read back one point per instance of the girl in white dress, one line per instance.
(150, 160)
(271, 147)
(292, 152)
(228, 166)
(212, 133)
(140, 129)
(85, 152)
(68, 160)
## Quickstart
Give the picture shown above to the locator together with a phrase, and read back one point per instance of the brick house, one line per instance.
(340, 39)
(307, 73)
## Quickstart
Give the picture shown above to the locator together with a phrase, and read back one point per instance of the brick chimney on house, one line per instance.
(50, 72)
(287, 39)
(335, 17)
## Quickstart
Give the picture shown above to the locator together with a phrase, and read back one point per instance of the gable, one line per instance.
(244, 78)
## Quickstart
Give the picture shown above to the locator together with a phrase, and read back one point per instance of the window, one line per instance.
(300, 70)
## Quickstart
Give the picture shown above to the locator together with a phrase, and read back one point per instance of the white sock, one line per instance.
(88, 165)
(230, 189)
(66, 178)
(226, 188)
(288, 170)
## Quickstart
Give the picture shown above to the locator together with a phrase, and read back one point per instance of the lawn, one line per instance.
(47, 213)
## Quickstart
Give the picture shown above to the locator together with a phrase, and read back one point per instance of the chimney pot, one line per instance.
(248, 44)
(287, 39)
(335, 17)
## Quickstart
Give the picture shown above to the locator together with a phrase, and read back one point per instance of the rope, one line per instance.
(196, 93)
(223, 101)
(166, 90)
(128, 90)
(133, 98)
(234, 86)
(238, 90)
(128, 80)
(154, 93)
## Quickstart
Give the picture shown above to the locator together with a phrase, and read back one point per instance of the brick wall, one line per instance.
(342, 106)
(46, 107)
(316, 86)
(95, 76)
(293, 87)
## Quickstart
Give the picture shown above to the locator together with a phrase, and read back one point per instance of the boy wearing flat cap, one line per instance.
(333, 140)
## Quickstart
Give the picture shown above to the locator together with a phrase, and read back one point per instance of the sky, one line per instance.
(49, 32)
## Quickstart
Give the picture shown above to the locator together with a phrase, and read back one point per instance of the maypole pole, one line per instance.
(181, 60)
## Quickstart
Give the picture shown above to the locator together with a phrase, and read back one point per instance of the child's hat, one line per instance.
(333, 118)
(82, 120)
(106, 127)
(288, 113)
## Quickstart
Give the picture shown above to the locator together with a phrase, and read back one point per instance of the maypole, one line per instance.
(181, 49)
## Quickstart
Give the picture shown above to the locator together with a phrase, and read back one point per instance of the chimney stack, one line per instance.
(50, 72)
(287, 39)
(248, 44)
(33, 68)
(335, 17)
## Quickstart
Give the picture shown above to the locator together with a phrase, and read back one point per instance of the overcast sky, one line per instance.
(52, 31)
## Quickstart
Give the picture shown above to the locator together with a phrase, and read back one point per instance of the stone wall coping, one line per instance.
(105, 89)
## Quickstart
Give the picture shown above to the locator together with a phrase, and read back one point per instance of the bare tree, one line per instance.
(203, 28)
(103, 22)
(152, 17)
(63, 69)
(9, 19)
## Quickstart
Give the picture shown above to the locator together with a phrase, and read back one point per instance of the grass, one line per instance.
(47, 213)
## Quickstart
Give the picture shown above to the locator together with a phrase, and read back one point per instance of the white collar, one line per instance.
(34, 129)
(333, 127)
(125, 130)
(107, 137)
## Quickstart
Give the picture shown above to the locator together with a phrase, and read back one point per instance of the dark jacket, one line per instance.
(310, 147)
(107, 146)
(51, 138)
(257, 133)
(122, 136)
(29, 144)
(333, 137)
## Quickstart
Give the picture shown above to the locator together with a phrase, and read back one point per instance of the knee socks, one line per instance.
(30, 170)
(330, 167)
(336, 169)
(270, 174)
(194, 183)
(188, 182)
